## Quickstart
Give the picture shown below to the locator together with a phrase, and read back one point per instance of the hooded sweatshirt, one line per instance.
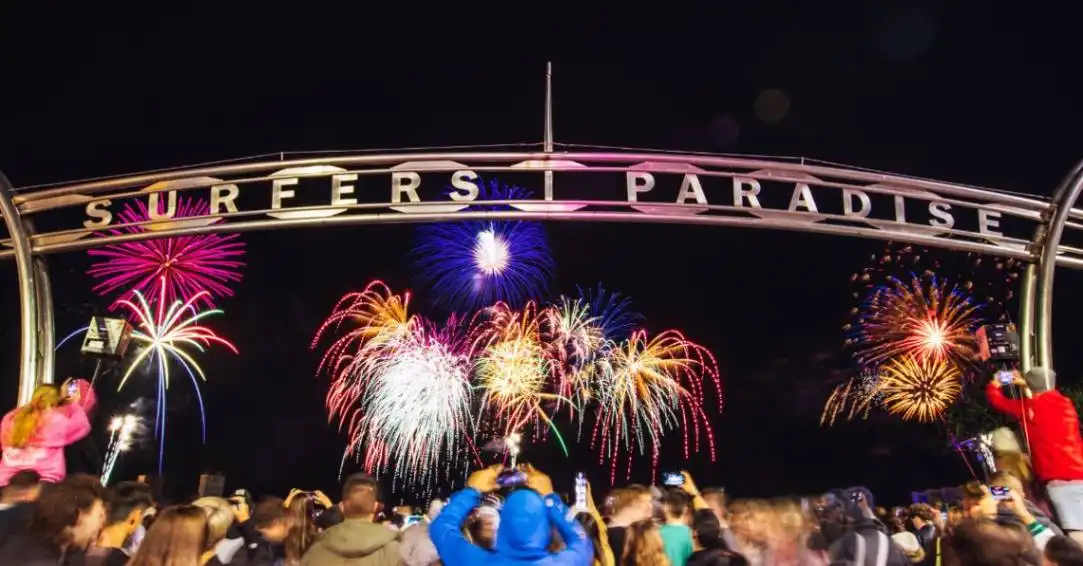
(354, 542)
(527, 521)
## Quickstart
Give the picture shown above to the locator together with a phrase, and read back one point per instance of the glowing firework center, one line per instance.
(574, 185)
(491, 254)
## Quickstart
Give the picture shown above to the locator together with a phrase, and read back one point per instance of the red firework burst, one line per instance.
(189, 264)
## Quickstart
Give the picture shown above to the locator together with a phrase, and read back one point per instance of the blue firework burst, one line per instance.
(613, 312)
(474, 264)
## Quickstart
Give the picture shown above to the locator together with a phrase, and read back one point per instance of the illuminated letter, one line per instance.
(170, 206)
(987, 220)
(802, 196)
(848, 203)
(941, 217)
(224, 194)
(98, 209)
(900, 209)
(278, 193)
(405, 182)
(740, 194)
(638, 182)
(466, 182)
(338, 189)
(691, 187)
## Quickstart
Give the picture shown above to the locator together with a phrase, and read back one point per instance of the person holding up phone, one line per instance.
(529, 517)
(1051, 424)
(34, 435)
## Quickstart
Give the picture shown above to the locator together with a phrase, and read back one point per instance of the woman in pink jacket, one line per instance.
(34, 435)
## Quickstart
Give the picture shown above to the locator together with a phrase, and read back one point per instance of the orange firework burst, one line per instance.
(648, 386)
(919, 388)
(378, 317)
(925, 319)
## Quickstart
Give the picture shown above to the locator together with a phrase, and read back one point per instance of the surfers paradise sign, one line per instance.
(591, 187)
(465, 186)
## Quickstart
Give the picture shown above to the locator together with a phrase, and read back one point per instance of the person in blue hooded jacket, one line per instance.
(527, 520)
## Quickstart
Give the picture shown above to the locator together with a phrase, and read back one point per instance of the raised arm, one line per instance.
(577, 547)
(1002, 404)
(446, 529)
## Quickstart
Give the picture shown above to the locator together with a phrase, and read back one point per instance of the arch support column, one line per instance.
(1026, 317)
(46, 342)
(28, 292)
(1049, 240)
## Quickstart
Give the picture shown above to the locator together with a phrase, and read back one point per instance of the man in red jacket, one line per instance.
(1051, 424)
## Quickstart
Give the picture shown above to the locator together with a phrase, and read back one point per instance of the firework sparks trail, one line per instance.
(164, 334)
(121, 430)
(513, 370)
(648, 386)
(612, 312)
(924, 319)
(919, 388)
(573, 338)
(400, 386)
(204, 264)
(473, 264)
(378, 318)
(854, 398)
(415, 406)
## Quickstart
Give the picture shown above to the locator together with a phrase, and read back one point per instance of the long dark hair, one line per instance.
(302, 532)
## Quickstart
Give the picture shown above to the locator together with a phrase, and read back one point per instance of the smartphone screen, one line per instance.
(1005, 376)
(999, 493)
(581, 491)
(673, 479)
(73, 388)
(511, 478)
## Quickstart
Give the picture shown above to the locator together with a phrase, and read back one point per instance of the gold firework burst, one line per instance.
(919, 388)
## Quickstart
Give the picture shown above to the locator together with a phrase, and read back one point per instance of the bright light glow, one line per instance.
(121, 429)
(491, 253)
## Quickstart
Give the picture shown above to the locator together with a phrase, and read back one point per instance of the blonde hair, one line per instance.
(178, 537)
(625, 497)
(789, 519)
(28, 417)
(643, 545)
(219, 518)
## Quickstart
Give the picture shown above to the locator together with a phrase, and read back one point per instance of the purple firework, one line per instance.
(189, 264)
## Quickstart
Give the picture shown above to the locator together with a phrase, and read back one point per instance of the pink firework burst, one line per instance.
(189, 265)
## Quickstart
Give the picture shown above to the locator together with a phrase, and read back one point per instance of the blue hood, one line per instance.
(524, 532)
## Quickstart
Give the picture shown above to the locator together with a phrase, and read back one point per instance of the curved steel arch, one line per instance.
(604, 186)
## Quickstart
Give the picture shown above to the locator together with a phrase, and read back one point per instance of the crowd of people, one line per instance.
(1026, 512)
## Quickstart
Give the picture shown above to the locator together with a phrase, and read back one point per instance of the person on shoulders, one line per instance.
(34, 435)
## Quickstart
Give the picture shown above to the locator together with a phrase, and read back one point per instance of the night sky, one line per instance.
(985, 96)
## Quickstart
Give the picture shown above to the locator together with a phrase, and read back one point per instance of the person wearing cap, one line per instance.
(1051, 424)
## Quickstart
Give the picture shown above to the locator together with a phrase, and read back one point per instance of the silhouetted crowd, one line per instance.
(514, 516)
(77, 521)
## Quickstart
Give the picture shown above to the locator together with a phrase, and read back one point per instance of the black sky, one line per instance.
(980, 94)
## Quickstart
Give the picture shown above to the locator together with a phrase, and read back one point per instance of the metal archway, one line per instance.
(609, 186)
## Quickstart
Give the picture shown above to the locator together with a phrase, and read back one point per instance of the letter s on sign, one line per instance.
(98, 214)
